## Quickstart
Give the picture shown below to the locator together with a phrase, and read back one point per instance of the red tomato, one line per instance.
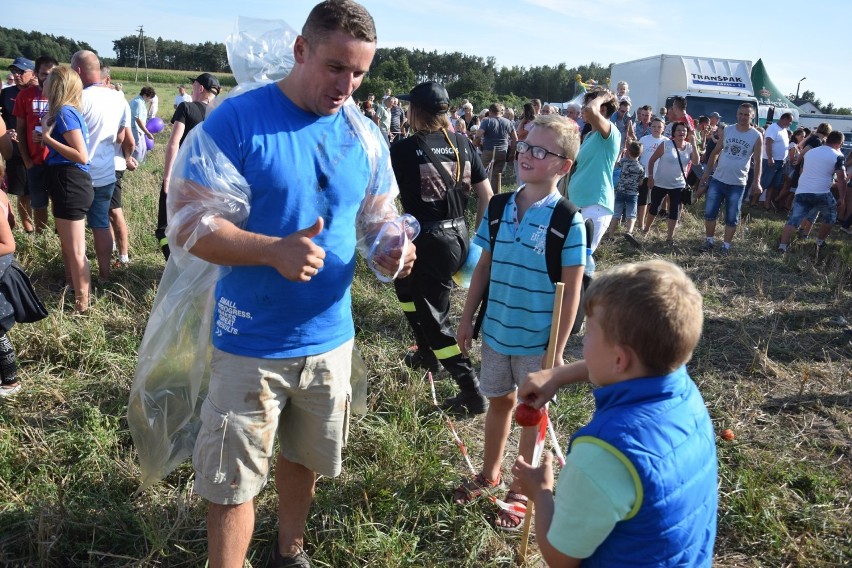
(526, 415)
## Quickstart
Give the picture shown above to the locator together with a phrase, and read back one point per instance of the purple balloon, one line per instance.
(149, 143)
(155, 125)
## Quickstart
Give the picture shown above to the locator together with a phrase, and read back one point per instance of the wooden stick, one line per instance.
(499, 184)
(549, 360)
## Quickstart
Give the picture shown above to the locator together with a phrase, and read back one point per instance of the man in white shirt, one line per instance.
(814, 192)
(107, 116)
(775, 142)
(182, 96)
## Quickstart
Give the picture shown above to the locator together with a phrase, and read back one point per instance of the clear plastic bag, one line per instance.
(172, 375)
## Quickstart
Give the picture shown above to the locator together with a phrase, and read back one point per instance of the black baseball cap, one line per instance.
(209, 82)
(429, 96)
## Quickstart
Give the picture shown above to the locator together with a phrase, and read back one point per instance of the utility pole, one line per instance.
(140, 49)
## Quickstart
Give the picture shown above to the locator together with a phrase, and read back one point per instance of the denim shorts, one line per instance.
(627, 204)
(772, 176)
(305, 400)
(503, 374)
(733, 196)
(98, 215)
(37, 185)
(808, 204)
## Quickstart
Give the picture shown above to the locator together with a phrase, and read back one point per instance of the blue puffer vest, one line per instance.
(660, 428)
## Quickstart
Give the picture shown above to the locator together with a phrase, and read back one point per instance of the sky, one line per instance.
(794, 44)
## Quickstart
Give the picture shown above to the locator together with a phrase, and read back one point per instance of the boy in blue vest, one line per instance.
(517, 321)
(639, 484)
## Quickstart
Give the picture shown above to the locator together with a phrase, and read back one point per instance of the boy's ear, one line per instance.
(566, 167)
(623, 359)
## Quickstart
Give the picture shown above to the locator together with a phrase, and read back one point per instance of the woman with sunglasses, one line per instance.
(669, 178)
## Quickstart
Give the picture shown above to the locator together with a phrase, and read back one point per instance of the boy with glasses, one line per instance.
(517, 321)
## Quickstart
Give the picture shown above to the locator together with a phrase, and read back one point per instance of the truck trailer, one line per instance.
(708, 84)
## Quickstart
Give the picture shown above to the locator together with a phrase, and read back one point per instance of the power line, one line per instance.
(141, 48)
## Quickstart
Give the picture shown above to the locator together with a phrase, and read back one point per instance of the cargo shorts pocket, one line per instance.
(210, 454)
(346, 415)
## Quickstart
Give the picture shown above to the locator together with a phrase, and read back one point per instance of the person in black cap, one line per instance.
(187, 116)
(436, 171)
(23, 70)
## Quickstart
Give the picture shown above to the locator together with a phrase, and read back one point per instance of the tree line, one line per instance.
(32, 45)
(397, 69)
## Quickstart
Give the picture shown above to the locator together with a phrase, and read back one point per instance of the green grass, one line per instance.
(773, 365)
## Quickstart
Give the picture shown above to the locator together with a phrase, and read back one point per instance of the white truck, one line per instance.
(708, 84)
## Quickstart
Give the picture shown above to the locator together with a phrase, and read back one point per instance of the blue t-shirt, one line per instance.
(591, 184)
(67, 119)
(299, 166)
(520, 295)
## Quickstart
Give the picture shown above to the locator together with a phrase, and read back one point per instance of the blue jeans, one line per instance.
(772, 176)
(807, 204)
(733, 196)
(98, 215)
(627, 204)
(37, 181)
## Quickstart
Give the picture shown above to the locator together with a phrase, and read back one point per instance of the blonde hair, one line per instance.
(460, 126)
(566, 130)
(652, 307)
(62, 88)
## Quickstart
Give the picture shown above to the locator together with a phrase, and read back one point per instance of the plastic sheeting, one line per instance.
(172, 375)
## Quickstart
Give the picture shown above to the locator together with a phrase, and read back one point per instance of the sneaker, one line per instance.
(9, 390)
(707, 246)
(725, 251)
(278, 560)
(466, 403)
(847, 230)
(632, 240)
(415, 359)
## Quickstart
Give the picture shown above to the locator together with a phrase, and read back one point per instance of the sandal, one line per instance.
(473, 488)
(511, 520)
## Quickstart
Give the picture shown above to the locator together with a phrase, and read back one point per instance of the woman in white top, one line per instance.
(669, 177)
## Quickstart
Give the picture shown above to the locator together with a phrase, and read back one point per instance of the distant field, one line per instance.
(154, 76)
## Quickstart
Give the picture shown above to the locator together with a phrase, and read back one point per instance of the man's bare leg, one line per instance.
(103, 250)
(229, 530)
(295, 484)
(119, 226)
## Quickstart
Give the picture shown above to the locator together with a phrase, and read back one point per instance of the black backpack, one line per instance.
(557, 232)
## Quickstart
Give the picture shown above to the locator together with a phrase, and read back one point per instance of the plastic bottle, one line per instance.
(589, 270)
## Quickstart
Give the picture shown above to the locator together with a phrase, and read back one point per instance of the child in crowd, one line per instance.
(9, 384)
(17, 298)
(627, 191)
(517, 320)
(639, 484)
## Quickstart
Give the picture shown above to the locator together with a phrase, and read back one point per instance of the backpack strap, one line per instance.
(557, 231)
(496, 207)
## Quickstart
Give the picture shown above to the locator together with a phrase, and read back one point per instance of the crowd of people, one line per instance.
(770, 167)
(639, 480)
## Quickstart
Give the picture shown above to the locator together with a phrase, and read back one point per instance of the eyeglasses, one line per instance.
(538, 152)
(16, 71)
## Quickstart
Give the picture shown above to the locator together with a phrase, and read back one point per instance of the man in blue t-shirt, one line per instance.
(282, 322)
